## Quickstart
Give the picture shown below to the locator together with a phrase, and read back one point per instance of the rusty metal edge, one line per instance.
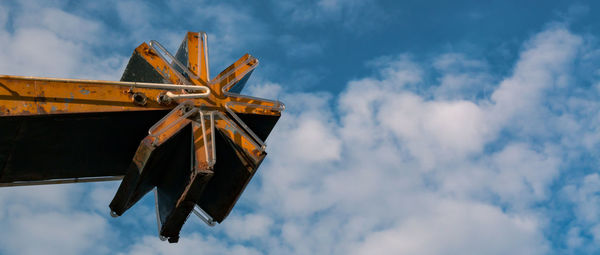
(62, 181)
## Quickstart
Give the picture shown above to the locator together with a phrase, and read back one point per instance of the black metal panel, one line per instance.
(231, 175)
(261, 125)
(139, 70)
(182, 56)
(239, 86)
(176, 175)
(168, 168)
(59, 146)
(166, 165)
(177, 197)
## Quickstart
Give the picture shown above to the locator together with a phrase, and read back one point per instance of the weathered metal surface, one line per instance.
(226, 151)
(21, 96)
(202, 153)
(193, 53)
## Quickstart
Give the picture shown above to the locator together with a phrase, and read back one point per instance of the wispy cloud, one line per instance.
(356, 15)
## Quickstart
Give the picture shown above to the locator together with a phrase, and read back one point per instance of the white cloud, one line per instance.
(266, 90)
(136, 15)
(101, 195)
(586, 201)
(462, 78)
(41, 219)
(545, 64)
(415, 174)
(248, 226)
(61, 233)
(390, 165)
(65, 25)
(30, 57)
(45, 41)
(193, 244)
(458, 227)
(37, 198)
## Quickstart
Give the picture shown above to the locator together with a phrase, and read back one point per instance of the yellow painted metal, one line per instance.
(165, 69)
(197, 54)
(220, 85)
(186, 89)
(21, 96)
(204, 141)
(236, 134)
(36, 95)
(169, 125)
(33, 95)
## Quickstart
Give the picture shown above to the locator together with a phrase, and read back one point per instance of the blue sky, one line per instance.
(417, 127)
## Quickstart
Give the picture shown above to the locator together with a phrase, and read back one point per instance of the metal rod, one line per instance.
(156, 133)
(213, 158)
(62, 181)
(147, 85)
(227, 74)
(242, 132)
(204, 136)
(178, 108)
(245, 127)
(205, 46)
(277, 105)
(188, 96)
(204, 216)
(154, 43)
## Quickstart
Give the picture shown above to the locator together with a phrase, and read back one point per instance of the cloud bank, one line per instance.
(400, 162)
(388, 168)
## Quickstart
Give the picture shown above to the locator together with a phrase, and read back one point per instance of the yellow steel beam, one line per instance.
(210, 106)
(197, 54)
(33, 95)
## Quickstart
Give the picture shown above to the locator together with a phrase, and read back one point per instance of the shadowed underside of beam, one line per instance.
(66, 146)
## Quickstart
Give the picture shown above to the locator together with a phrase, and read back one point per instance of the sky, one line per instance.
(411, 127)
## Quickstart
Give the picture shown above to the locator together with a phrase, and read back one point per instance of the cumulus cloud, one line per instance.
(248, 226)
(45, 41)
(193, 244)
(41, 220)
(462, 78)
(425, 175)
(396, 163)
(458, 227)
